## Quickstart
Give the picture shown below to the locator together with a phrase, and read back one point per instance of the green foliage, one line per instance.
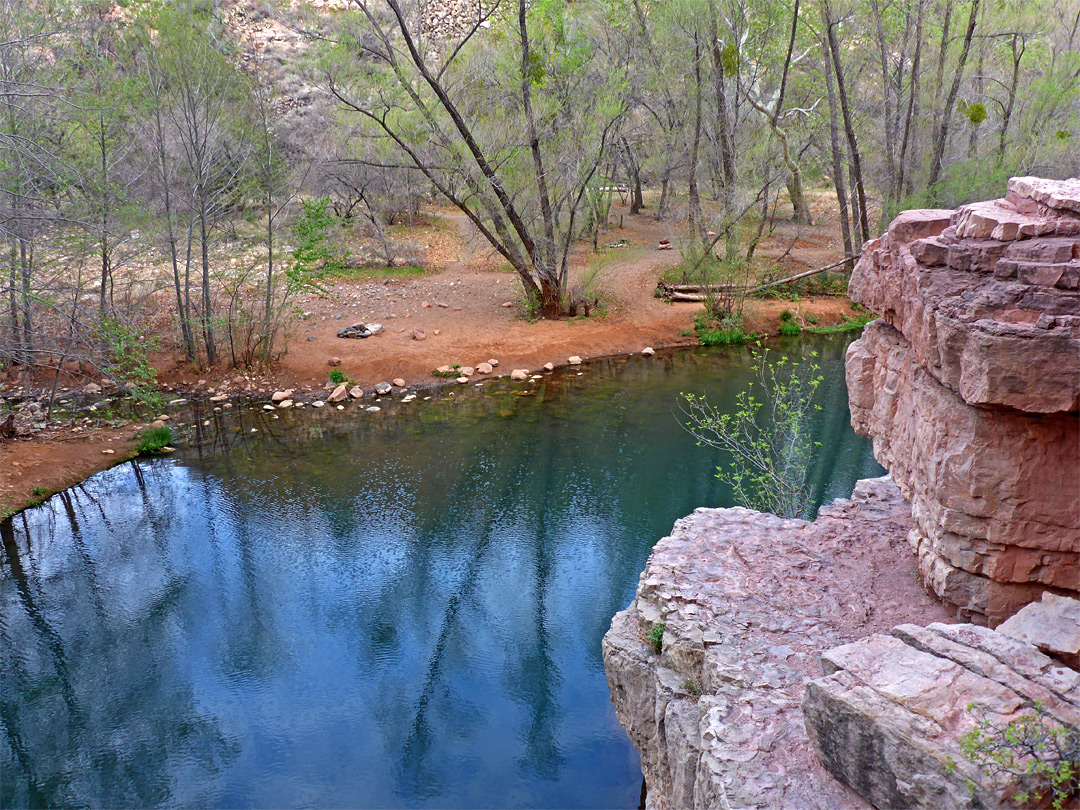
(656, 637)
(849, 325)
(727, 331)
(337, 376)
(723, 281)
(767, 435)
(529, 303)
(975, 112)
(39, 492)
(790, 328)
(1039, 756)
(127, 360)
(315, 256)
(729, 58)
(153, 440)
(788, 324)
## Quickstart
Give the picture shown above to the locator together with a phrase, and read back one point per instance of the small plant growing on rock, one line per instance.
(692, 686)
(453, 372)
(656, 637)
(1035, 752)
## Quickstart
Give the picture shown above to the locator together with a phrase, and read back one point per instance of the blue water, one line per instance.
(402, 609)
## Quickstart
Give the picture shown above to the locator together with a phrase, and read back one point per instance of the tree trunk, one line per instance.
(13, 301)
(633, 176)
(268, 317)
(904, 180)
(838, 164)
(207, 322)
(694, 207)
(665, 186)
(946, 113)
(1017, 55)
(723, 123)
(849, 128)
(546, 254)
(886, 85)
(973, 136)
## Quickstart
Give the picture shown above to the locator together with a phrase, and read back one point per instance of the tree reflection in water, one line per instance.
(347, 610)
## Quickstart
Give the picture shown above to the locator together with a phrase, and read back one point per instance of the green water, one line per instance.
(344, 609)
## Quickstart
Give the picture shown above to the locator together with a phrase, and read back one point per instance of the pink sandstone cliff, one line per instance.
(969, 386)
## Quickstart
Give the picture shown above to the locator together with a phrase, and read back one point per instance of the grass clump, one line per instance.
(726, 331)
(788, 325)
(337, 376)
(453, 372)
(849, 325)
(153, 440)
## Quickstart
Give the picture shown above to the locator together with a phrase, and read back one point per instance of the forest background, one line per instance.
(180, 173)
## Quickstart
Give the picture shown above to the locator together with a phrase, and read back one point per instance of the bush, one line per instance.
(769, 461)
(153, 440)
(1039, 755)
(337, 376)
(788, 324)
(656, 636)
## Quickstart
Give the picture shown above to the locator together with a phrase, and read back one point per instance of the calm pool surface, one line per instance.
(400, 609)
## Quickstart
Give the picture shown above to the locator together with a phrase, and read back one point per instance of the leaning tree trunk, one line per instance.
(954, 88)
(838, 166)
(849, 128)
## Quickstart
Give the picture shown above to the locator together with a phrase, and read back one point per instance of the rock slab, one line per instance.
(889, 716)
(747, 601)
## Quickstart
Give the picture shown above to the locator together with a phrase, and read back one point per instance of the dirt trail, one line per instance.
(467, 309)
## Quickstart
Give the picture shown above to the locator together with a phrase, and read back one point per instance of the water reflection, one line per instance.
(398, 610)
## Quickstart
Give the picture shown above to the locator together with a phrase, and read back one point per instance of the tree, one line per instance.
(516, 147)
(768, 436)
(202, 137)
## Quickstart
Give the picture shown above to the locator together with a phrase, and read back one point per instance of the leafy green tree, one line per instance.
(510, 123)
(767, 435)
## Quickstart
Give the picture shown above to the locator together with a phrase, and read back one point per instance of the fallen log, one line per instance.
(682, 293)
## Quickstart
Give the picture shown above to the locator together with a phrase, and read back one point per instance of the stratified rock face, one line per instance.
(747, 602)
(889, 716)
(970, 389)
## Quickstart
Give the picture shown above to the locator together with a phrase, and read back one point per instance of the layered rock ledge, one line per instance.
(970, 390)
(747, 602)
(890, 715)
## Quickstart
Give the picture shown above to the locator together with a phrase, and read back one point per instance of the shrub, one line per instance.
(769, 460)
(727, 331)
(337, 376)
(1035, 752)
